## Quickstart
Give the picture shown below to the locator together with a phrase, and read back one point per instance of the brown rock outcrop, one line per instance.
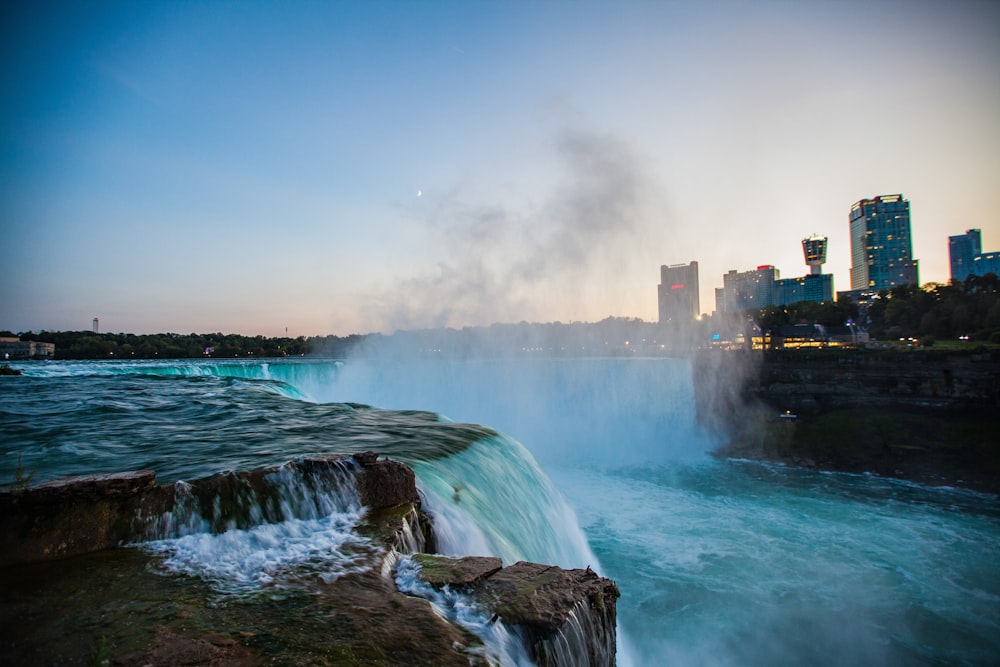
(565, 617)
(77, 515)
(70, 516)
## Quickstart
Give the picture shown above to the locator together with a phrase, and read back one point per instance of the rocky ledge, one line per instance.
(566, 617)
(73, 592)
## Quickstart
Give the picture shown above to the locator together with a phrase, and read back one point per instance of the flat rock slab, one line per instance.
(171, 649)
(70, 516)
(544, 596)
(89, 487)
(439, 571)
(118, 605)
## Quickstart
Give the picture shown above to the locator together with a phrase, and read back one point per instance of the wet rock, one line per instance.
(77, 515)
(173, 649)
(367, 621)
(89, 487)
(566, 617)
(385, 483)
(542, 597)
(440, 571)
(117, 604)
(70, 516)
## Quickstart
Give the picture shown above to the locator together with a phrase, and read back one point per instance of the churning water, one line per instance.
(593, 462)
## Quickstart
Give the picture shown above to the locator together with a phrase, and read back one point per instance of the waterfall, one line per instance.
(492, 499)
(239, 501)
(274, 528)
(584, 639)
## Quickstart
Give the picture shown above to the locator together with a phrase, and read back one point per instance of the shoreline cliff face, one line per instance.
(926, 416)
(71, 591)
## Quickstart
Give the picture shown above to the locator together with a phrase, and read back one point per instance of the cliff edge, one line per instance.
(926, 416)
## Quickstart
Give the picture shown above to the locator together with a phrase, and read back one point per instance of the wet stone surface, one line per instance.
(117, 606)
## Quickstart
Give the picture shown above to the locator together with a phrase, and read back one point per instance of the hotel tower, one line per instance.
(881, 244)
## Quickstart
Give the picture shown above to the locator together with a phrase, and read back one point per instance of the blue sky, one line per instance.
(349, 167)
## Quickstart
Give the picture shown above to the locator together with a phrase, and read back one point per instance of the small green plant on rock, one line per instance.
(99, 656)
(22, 479)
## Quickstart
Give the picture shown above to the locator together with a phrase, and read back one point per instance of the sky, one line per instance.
(350, 167)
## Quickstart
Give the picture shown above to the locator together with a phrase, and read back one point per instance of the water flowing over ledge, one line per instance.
(83, 514)
(525, 613)
(334, 529)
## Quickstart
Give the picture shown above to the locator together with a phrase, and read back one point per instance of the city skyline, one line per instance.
(361, 167)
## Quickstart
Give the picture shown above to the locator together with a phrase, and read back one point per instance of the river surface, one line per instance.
(595, 462)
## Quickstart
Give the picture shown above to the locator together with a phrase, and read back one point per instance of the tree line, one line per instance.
(969, 308)
(614, 335)
(933, 312)
(91, 345)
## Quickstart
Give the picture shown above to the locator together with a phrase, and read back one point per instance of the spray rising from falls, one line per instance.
(570, 411)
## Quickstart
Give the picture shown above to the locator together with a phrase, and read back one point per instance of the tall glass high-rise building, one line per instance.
(986, 262)
(677, 293)
(881, 244)
(962, 252)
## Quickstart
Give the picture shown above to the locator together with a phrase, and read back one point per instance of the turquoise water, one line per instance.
(743, 564)
(597, 462)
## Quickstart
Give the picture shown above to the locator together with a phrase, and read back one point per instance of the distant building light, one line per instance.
(679, 286)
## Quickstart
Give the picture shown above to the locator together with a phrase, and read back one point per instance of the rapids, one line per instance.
(595, 462)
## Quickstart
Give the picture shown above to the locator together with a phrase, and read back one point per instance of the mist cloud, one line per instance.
(507, 263)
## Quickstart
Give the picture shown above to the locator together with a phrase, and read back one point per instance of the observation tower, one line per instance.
(814, 249)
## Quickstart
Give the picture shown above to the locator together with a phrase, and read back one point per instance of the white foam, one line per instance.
(293, 554)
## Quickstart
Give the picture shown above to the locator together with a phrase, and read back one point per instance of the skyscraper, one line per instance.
(881, 244)
(986, 262)
(962, 251)
(747, 289)
(678, 293)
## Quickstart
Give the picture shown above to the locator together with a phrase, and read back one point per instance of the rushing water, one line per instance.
(594, 462)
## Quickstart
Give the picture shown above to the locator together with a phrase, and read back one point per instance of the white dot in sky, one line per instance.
(420, 193)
